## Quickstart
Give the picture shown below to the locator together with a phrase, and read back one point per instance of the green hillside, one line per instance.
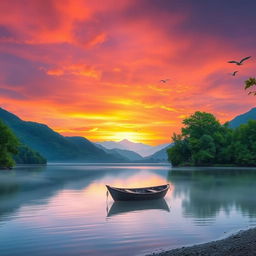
(53, 146)
(28, 156)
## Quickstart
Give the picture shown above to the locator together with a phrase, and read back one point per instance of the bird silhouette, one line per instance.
(234, 73)
(164, 80)
(239, 62)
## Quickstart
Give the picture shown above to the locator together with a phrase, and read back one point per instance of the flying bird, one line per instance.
(164, 80)
(234, 73)
(240, 62)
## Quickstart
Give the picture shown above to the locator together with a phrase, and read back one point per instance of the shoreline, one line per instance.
(240, 243)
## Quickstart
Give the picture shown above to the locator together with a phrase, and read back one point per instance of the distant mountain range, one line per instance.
(52, 145)
(140, 148)
(57, 148)
(243, 118)
(159, 156)
(127, 154)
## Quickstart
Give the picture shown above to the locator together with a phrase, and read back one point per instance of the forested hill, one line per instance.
(26, 155)
(53, 146)
(204, 141)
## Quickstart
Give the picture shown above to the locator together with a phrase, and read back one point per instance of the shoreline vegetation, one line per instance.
(8, 146)
(239, 244)
(12, 151)
(204, 141)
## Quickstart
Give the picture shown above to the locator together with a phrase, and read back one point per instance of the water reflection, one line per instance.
(33, 185)
(61, 209)
(118, 208)
(206, 192)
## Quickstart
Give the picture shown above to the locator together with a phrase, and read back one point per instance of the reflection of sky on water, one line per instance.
(63, 210)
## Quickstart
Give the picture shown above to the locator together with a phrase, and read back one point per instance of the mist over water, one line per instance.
(63, 209)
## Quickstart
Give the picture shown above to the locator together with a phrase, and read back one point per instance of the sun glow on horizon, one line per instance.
(131, 136)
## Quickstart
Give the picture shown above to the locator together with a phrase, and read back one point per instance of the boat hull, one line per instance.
(121, 195)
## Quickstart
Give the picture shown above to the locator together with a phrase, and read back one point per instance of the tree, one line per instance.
(206, 151)
(244, 144)
(179, 153)
(200, 123)
(26, 155)
(8, 146)
(249, 83)
(204, 141)
(201, 141)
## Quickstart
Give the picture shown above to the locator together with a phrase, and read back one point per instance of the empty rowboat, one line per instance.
(129, 194)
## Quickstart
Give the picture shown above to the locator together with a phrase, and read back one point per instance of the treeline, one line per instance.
(12, 151)
(26, 155)
(205, 142)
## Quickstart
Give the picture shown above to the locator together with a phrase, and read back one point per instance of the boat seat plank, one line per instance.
(151, 190)
(129, 191)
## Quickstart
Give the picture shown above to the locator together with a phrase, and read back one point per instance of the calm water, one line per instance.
(63, 209)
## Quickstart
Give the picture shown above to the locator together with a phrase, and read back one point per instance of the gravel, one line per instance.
(242, 243)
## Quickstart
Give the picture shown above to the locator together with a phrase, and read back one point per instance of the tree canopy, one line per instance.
(26, 155)
(12, 151)
(204, 141)
(8, 146)
(250, 82)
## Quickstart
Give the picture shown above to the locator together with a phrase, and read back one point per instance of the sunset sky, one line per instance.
(92, 68)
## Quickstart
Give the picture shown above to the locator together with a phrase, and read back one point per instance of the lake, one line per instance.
(62, 209)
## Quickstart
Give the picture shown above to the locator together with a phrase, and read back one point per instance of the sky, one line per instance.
(92, 68)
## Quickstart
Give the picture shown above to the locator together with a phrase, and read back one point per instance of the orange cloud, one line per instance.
(55, 72)
(93, 69)
(75, 69)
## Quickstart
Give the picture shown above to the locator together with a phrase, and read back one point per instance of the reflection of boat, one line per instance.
(147, 193)
(133, 206)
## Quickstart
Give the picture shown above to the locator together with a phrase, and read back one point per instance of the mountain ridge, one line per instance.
(160, 155)
(142, 149)
(129, 155)
(52, 145)
(243, 118)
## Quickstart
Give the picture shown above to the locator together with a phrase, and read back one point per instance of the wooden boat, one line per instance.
(122, 207)
(129, 194)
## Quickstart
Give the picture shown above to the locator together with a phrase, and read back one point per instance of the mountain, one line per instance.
(159, 156)
(243, 118)
(88, 147)
(128, 154)
(140, 148)
(52, 145)
(131, 155)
